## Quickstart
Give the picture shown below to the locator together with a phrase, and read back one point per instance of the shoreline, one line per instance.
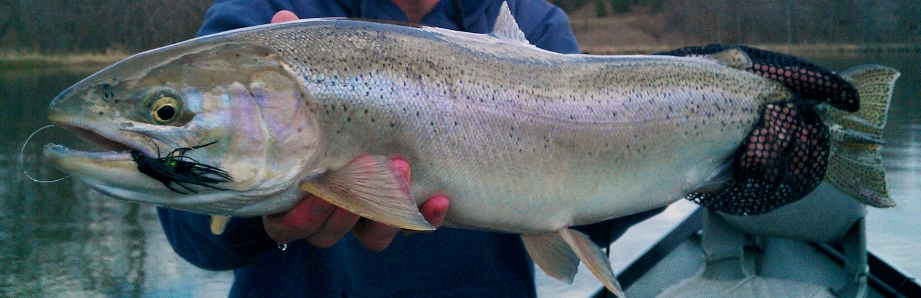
(16, 61)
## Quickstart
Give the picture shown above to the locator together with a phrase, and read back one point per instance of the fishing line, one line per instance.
(21, 159)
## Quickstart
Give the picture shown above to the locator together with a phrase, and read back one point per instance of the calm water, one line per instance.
(64, 239)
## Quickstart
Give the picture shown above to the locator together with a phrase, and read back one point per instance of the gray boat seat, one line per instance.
(752, 256)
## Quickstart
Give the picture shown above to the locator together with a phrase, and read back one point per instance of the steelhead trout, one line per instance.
(521, 140)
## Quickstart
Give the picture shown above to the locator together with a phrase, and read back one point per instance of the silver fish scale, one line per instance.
(507, 130)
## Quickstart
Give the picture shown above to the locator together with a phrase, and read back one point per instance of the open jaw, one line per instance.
(109, 168)
(112, 170)
(108, 146)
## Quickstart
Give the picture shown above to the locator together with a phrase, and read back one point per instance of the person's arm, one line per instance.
(189, 234)
(545, 26)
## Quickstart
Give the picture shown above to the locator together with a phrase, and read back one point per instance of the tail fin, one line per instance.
(855, 166)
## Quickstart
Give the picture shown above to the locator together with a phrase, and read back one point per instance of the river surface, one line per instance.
(64, 239)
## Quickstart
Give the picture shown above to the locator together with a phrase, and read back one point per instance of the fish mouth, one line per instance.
(106, 146)
(110, 167)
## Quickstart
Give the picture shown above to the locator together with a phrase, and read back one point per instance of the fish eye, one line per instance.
(165, 109)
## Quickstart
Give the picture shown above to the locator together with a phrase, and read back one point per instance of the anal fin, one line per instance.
(553, 255)
(370, 187)
(718, 179)
(550, 252)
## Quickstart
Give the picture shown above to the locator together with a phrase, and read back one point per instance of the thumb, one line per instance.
(284, 16)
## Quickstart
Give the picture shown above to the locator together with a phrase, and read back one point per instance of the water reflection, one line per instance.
(64, 238)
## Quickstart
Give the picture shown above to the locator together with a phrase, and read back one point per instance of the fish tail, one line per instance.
(855, 166)
(796, 145)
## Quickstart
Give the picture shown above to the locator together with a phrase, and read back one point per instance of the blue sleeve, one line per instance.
(233, 14)
(545, 26)
(242, 243)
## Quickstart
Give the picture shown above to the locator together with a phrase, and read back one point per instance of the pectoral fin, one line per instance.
(218, 223)
(371, 188)
(550, 252)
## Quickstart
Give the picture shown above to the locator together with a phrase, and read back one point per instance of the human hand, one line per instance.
(323, 224)
(284, 16)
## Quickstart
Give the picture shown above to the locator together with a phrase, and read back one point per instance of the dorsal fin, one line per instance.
(506, 27)
(733, 57)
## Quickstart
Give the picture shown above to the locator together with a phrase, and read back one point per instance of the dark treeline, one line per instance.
(797, 21)
(775, 21)
(67, 26)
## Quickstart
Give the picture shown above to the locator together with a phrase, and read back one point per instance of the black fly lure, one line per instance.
(178, 169)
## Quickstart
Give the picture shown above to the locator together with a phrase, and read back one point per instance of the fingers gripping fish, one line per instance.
(522, 140)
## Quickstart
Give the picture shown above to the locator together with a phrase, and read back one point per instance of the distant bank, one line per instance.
(17, 61)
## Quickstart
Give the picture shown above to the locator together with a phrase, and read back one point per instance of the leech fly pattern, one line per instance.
(179, 169)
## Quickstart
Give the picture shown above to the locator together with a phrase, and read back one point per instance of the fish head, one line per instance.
(219, 128)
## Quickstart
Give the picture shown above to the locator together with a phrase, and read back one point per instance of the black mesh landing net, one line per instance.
(807, 79)
(786, 154)
(782, 160)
